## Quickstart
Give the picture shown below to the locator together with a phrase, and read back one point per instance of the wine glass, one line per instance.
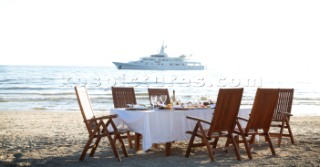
(153, 100)
(159, 100)
(163, 99)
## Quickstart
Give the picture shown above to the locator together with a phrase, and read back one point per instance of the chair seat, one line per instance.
(250, 132)
(120, 131)
(278, 125)
(213, 135)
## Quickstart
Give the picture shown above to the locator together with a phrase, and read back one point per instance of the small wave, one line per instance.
(39, 108)
(38, 93)
(23, 88)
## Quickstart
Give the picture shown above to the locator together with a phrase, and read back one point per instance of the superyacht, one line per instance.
(161, 61)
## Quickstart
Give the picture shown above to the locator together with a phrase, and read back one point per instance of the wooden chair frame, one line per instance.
(159, 91)
(222, 125)
(121, 97)
(98, 127)
(282, 115)
(260, 119)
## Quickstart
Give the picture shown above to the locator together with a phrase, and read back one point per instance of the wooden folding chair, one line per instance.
(282, 115)
(122, 96)
(260, 118)
(98, 127)
(222, 125)
(159, 91)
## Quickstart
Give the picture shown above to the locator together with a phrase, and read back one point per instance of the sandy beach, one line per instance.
(56, 138)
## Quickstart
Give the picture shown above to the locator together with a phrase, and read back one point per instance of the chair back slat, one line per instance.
(226, 110)
(159, 91)
(86, 108)
(284, 104)
(122, 96)
(263, 108)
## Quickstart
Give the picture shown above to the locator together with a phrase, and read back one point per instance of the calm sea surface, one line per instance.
(52, 87)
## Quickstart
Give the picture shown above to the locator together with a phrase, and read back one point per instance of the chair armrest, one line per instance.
(197, 119)
(243, 119)
(286, 113)
(108, 116)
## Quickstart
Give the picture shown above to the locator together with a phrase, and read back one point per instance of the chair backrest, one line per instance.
(122, 96)
(86, 108)
(284, 104)
(226, 110)
(263, 108)
(159, 91)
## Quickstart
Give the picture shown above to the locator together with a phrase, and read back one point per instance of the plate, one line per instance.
(137, 107)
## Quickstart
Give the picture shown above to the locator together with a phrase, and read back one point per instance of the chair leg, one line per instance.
(129, 139)
(270, 143)
(86, 147)
(236, 148)
(155, 145)
(113, 146)
(236, 138)
(168, 148)
(206, 142)
(280, 133)
(290, 132)
(228, 142)
(190, 145)
(191, 140)
(93, 150)
(123, 147)
(215, 143)
(137, 139)
(246, 145)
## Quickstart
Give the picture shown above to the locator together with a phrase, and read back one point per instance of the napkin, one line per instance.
(177, 106)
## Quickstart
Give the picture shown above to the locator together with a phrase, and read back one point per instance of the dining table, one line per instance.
(163, 125)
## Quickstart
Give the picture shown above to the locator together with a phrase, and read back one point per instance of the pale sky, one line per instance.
(76, 32)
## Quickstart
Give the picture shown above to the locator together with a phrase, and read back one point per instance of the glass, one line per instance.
(153, 99)
(163, 99)
(179, 100)
(159, 100)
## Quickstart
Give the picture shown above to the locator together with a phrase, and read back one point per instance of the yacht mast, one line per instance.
(162, 50)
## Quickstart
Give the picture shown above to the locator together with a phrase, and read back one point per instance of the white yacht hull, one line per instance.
(123, 66)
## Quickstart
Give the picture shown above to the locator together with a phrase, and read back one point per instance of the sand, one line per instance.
(50, 138)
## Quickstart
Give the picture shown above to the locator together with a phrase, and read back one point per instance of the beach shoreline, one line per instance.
(56, 138)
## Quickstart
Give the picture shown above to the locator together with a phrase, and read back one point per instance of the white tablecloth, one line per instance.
(160, 126)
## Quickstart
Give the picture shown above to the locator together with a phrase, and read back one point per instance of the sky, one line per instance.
(282, 34)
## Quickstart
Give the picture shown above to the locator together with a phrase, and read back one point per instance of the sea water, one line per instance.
(51, 88)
